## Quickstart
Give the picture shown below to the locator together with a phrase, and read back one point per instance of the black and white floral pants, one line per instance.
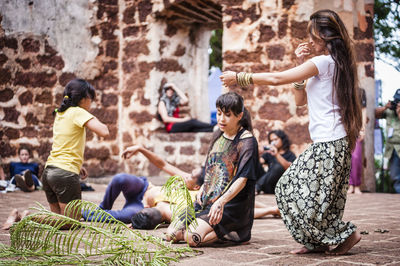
(311, 195)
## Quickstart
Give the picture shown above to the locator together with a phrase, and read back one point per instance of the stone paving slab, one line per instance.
(271, 241)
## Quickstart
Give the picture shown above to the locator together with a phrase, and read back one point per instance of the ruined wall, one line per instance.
(261, 36)
(128, 48)
(119, 47)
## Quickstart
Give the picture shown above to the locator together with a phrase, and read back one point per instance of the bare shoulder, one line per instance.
(246, 134)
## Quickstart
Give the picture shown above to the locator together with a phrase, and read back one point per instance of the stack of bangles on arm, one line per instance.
(299, 85)
(244, 79)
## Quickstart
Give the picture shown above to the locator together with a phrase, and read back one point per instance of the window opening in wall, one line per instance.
(200, 16)
(214, 83)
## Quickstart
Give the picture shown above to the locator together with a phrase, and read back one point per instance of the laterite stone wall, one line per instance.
(128, 48)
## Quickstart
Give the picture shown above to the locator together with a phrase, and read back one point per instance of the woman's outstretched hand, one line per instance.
(302, 51)
(228, 78)
(130, 151)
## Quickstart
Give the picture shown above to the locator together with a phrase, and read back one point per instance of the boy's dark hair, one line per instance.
(74, 92)
(24, 148)
(148, 218)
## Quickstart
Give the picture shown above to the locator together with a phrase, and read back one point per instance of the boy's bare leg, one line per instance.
(55, 207)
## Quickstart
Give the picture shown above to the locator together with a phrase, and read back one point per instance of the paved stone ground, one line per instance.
(271, 241)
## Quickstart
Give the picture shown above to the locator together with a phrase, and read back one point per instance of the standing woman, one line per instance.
(64, 165)
(311, 195)
(225, 202)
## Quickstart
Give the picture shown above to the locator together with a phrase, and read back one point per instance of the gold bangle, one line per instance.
(299, 85)
(244, 79)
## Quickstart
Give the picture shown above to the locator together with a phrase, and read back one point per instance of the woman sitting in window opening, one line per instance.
(168, 112)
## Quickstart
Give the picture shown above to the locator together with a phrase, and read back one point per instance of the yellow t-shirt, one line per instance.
(69, 136)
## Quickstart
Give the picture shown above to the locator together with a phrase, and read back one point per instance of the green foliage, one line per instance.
(38, 239)
(183, 210)
(216, 48)
(386, 31)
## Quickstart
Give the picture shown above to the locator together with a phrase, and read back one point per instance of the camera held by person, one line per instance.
(396, 100)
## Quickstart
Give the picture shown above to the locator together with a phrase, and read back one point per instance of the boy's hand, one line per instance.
(83, 173)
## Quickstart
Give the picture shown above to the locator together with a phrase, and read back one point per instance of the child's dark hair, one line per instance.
(148, 218)
(74, 92)
(284, 138)
(24, 148)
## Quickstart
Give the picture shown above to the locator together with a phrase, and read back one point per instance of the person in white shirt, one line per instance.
(311, 194)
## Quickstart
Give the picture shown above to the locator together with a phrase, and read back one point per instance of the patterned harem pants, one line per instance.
(311, 195)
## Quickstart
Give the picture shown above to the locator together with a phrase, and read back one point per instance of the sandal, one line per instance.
(28, 178)
(20, 182)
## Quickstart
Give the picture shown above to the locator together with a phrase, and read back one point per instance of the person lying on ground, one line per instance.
(146, 205)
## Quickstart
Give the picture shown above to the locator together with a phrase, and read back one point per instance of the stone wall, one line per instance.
(125, 49)
(261, 36)
(128, 48)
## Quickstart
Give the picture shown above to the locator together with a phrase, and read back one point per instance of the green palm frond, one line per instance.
(38, 239)
(182, 210)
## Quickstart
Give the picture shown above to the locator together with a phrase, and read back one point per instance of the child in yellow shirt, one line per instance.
(63, 168)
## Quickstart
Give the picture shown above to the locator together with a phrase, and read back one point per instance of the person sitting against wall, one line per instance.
(25, 174)
(278, 157)
(168, 112)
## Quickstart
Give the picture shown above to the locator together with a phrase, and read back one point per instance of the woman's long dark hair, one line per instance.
(74, 92)
(326, 25)
(284, 138)
(232, 102)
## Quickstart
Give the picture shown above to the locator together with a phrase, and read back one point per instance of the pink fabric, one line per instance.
(356, 165)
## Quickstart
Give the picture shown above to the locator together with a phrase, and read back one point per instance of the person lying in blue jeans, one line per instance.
(138, 192)
(146, 206)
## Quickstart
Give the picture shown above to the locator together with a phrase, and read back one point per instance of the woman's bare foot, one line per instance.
(176, 236)
(276, 213)
(357, 190)
(350, 190)
(12, 218)
(305, 250)
(343, 248)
